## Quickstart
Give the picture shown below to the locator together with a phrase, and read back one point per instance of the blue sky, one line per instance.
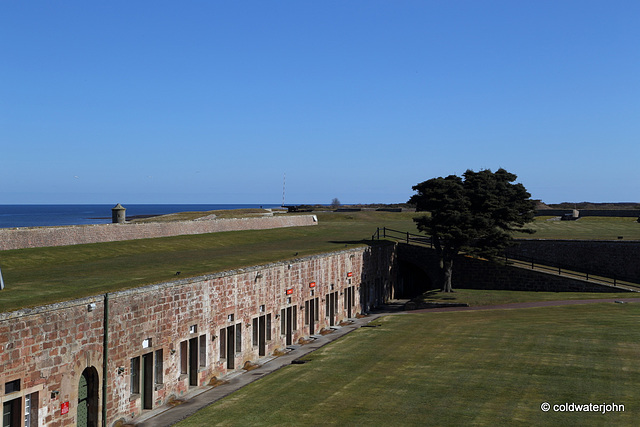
(212, 101)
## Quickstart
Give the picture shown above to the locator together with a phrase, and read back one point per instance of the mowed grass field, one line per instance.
(41, 276)
(587, 228)
(493, 367)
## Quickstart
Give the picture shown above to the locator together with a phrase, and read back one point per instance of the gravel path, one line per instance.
(531, 304)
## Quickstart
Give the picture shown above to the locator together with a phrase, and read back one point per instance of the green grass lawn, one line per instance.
(590, 227)
(40, 276)
(493, 367)
(46, 275)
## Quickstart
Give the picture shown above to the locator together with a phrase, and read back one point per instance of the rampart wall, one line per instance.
(19, 238)
(472, 273)
(165, 339)
(610, 258)
(625, 213)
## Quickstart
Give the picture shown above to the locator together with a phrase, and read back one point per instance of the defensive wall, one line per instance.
(154, 343)
(624, 213)
(473, 273)
(34, 237)
(120, 354)
(609, 258)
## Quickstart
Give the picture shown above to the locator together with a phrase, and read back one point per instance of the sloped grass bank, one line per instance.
(493, 367)
(39, 276)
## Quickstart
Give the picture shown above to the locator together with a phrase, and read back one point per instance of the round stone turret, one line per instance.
(118, 215)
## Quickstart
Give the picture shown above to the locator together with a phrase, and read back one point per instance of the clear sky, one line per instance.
(214, 101)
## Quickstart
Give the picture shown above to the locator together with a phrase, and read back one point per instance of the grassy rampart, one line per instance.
(45, 275)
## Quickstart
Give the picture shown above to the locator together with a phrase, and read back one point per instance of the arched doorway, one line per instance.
(88, 398)
(413, 280)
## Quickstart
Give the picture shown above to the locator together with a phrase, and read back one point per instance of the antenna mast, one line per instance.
(284, 179)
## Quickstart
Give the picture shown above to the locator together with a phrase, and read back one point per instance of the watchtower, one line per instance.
(118, 215)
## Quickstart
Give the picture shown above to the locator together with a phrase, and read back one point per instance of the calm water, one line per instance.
(52, 215)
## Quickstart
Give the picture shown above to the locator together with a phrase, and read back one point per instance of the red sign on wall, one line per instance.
(349, 274)
(312, 284)
(289, 291)
(64, 408)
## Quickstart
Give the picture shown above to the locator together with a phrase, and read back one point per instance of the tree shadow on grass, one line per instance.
(435, 294)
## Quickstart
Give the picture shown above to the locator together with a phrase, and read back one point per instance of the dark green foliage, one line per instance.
(476, 213)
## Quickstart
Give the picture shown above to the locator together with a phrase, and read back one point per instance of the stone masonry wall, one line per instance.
(48, 348)
(612, 258)
(626, 213)
(471, 273)
(19, 238)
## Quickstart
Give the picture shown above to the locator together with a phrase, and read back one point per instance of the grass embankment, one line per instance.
(40, 276)
(218, 214)
(46, 275)
(493, 367)
(587, 228)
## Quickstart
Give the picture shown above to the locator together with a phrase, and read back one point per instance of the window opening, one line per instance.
(184, 358)
(12, 386)
(135, 375)
(238, 337)
(203, 350)
(159, 366)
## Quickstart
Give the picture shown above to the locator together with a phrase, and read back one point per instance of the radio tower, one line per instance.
(284, 179)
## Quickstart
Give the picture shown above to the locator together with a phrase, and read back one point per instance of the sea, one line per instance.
(12, 216)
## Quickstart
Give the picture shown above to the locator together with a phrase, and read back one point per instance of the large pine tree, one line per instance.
(476, 214)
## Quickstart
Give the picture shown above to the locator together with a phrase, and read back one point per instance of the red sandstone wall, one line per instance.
(48, 348)
(19, 238)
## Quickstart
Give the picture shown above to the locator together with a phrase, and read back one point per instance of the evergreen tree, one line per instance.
(476, 213)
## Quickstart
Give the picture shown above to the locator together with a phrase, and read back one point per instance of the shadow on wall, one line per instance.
(378, 279)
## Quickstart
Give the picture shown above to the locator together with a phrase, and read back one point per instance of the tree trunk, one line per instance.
(447, 270)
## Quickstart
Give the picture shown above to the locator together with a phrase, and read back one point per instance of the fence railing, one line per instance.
(521, 261)
(569, 270)
(403, 236)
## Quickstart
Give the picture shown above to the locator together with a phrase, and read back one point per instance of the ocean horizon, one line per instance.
(47, 215)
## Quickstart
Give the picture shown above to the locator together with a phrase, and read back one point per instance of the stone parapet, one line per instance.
(37, 237)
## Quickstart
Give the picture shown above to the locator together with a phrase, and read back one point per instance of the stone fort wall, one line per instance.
(168, 338)
(625, 213)
(20, 238)
(472, 273)
(609, 258)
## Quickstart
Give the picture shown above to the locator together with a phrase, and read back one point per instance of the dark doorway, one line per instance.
(88, 398)
(348, 300)
(312, 317)
(288, 323)
(230, 346)
(147, 381)
(262, 336)
(413, 281)
(11, 412)
(289, 326)
(331, 306)
(193, 362)
(311, 314)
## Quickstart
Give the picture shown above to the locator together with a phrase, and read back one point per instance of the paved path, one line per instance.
(199, 398)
